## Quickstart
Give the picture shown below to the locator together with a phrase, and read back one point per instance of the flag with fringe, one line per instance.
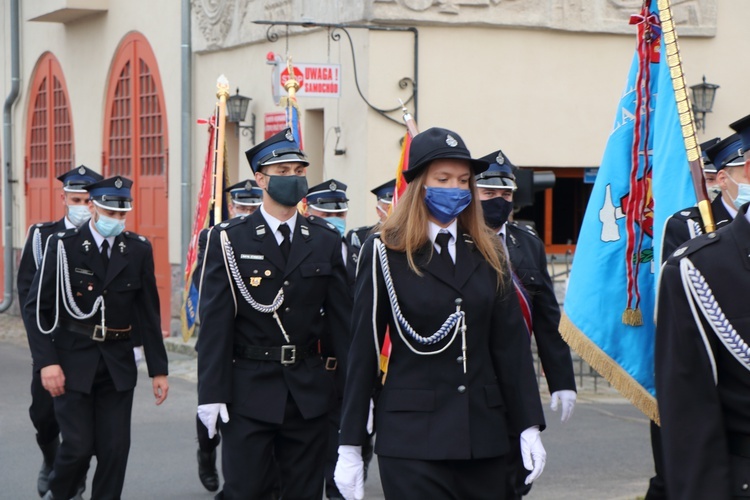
(644, 178)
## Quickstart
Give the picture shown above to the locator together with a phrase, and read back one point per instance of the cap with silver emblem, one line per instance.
(76, 180)
(245, 193)
(328, 196)
(112, 193)
(438, 144)
(727, 152)
(280, 148)
(500, 173)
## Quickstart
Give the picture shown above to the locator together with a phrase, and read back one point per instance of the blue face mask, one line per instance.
(78, 215)
(107, 226)
(446, 203)
(743, 193)
(340, 224)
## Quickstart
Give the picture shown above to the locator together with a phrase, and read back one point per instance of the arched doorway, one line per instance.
(135, 146)
(49, 141)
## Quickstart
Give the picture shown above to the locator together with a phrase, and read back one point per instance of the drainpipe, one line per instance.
(8, 155)
(185, 132)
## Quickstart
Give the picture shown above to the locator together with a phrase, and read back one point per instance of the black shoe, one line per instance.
(49, 451)
(207, 470)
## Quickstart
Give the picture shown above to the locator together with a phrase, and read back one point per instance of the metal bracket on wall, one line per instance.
(335, 31)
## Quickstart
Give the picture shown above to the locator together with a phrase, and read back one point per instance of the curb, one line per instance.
(178, 346)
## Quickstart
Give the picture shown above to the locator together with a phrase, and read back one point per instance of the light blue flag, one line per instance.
(643, 179)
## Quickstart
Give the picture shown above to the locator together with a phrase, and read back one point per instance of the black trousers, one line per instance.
(93, 424)
(42, 411)
(476, 479)
(250, 447)
(657, 488)
(205, 443)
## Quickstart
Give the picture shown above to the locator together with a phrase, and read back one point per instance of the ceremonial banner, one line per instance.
(291, 108)
(203, 213)
(644, 178)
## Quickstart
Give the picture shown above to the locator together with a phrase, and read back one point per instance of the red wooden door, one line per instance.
(49, 141)
(135, 146)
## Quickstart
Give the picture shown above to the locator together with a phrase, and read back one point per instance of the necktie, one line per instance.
(442, 240)
(105, 253)
(285, 244)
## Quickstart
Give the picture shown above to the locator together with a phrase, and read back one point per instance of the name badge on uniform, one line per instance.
(84, 271)
(251, 256)
(255, 280)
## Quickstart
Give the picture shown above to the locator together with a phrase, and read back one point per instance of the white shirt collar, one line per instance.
(274, 223)
(68, 224)
(434, 229)
(730, 208)
(98, 238)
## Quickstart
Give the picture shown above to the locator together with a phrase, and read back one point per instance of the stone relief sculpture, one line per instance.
(226, 23)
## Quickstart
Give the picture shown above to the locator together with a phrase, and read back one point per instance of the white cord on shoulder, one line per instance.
(233, 272)
(456, 321)
(62, 273)
(685, 265)
(36, 247)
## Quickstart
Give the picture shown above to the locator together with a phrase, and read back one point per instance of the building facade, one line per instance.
(106, 84)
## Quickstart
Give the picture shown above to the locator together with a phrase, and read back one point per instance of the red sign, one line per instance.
(315, 80)
(273, 123)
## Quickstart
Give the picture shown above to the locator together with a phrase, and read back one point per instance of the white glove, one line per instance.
(370, 418)
(568, 399)
(349, 474)
(209, 415)
(532, 452)
(138, 354)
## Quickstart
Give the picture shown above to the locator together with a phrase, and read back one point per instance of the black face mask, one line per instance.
(287, 190)
(496, 211)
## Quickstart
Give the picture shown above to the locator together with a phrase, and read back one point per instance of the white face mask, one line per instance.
(78, 215)
(109, 226)
(743, 193)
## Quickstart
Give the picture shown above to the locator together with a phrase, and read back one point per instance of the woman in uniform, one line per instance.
(460, 376)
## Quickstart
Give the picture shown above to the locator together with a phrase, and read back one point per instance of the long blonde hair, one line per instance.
(405, 230)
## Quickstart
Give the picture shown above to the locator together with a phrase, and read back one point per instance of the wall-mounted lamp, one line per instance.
(237, 110)
(703, 101)
(336, 150)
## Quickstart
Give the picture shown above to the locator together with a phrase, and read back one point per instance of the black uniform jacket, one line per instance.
(313, 279)
(429, 409)
(131, 300)
(681, 226)
(697, 412)
(529, 261)
(27, 266)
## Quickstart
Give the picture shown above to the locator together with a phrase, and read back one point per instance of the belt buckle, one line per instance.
(331, 364)
(103, 336)
(292, 357)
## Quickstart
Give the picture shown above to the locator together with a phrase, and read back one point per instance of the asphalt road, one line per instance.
(602, 453)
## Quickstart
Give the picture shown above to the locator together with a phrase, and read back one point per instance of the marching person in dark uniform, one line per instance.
(79, 312)
(709, 170)
(328, 200)
(536, 292)
(723, 159)
(265, 281)
(460, 376)
(384, 194)
(701, 358)
(76, 201)
(244, 198)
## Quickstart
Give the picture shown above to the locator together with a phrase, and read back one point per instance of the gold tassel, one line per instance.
(632, 317)
(609, 369)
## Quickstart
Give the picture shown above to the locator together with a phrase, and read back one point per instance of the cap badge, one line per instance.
(81, 170)
(450, 141)
(248, 186)
(500, 158)
(118, 183)
(332, 186)
(289, 136)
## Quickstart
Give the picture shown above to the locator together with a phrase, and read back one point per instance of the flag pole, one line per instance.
(222, 92)
(685, 112)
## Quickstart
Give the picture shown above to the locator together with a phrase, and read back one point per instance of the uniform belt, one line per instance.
(96, 332)
(739, 444)
(285, 354)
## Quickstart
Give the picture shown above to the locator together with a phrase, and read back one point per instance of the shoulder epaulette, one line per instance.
(687, 213)
(43, 224)
(234, 221)
(66, 233)
(136, 236)
(693, 245)
(320, 221)
(523, 228)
